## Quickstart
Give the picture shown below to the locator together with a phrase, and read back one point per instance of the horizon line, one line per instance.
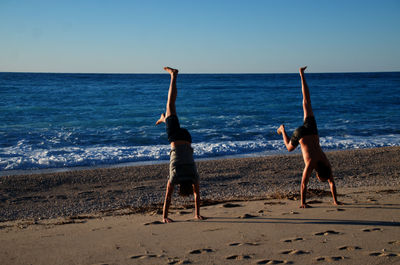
(238, 73)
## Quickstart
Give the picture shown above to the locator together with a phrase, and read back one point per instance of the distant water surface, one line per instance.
(69, 120)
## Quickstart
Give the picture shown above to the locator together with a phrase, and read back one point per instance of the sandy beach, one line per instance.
(112, 216)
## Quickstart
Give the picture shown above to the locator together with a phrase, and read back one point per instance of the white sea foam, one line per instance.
(23, 156)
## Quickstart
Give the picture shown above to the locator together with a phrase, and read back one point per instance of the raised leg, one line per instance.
(307, 109)
(286, 139)
(172, 93)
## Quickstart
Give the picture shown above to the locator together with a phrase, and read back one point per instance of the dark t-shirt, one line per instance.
(174, 130)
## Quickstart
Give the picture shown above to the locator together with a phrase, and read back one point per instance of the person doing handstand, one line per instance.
(182, 169)
(314, 157)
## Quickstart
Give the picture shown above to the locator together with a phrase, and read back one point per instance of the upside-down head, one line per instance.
(324, 171)
(186, 188)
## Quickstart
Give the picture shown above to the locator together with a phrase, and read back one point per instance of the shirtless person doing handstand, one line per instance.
(314, 157)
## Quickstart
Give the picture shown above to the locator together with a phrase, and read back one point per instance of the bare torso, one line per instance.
(311, 150)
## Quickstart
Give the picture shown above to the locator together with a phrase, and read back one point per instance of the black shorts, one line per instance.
(174, 130)
(309, 127)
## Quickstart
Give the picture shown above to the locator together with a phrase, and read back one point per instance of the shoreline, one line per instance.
(19, 172)
(141, 188)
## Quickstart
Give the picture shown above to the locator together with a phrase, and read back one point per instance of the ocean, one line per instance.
(51, 120)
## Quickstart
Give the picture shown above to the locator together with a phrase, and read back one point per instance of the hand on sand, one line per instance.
(161, 119)
(167, 220)
(302, 69)
(305, 205)
(281, 129)
(199, 217)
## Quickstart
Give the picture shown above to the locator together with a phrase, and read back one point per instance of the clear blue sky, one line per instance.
(266, 36)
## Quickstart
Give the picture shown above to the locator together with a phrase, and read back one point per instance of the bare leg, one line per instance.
(172, 93)
(286, 139)
(196, 193)
(167, 202)
(161, 119)
(307, 109)
(303, 190)
(333, 191)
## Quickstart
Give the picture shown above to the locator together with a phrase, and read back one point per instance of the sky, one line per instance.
(218, 36)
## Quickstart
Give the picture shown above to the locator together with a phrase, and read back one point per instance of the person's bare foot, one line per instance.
(281, 129)
(302, 69)
(172, 71)
(161, 119)
(199, 217)
(305, 206)
(167, 220)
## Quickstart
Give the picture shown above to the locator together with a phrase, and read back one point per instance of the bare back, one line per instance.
(312, 151)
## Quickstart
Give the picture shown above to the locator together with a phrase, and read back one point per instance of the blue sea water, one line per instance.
(68, 120)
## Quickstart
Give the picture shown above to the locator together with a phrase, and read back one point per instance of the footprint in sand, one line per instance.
(326, 233)
(330, 259)
(292, 240)
(154, 223)
(243, 244)
(146, 256)
(295, 252)
(231, 205)
(250, 244)
(372, 229)
(383, 254)
(349, 248)
(269, 261)
(396, 242)
(246, 216)
(201, 251)
(335, 210)
(238, 257)
(213, 229)
(291, 212)
(102, 228)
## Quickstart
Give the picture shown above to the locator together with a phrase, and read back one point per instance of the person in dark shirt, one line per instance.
(307, 136)
(182, 169)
